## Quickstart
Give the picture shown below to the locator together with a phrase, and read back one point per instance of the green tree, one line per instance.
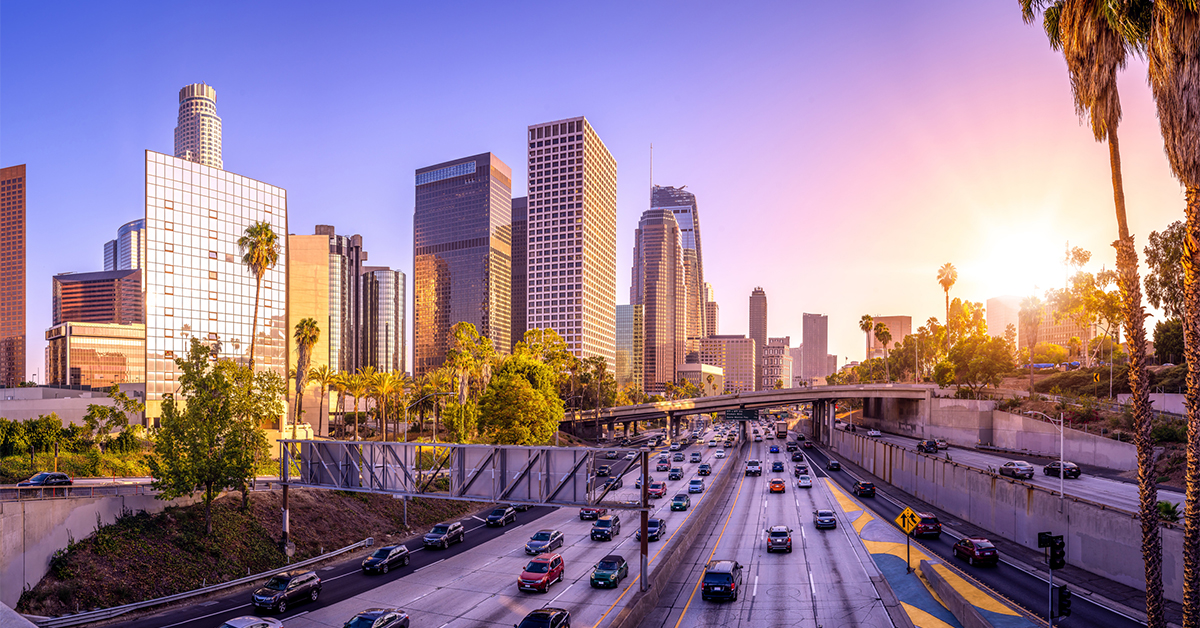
(260, 252)
(979, 361)
(323, 376)
(947, 276)
(866, 325)
(357, 386)
(306, 335)
(1168, 341)
(884, 337)
(1030, 319)
(521, 405)
(102, 420)
(1164, 260)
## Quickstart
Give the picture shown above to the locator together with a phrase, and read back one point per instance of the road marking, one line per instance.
(188, 621)
(478, 519)
(429, 565)
(341, 576)
(563, 592)
(755, 592)
(812, 586)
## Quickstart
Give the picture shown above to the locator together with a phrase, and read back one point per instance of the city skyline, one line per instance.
(939, 161)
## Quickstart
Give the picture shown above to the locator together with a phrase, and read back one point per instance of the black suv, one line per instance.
(606, 528)
(722, 579)
(443, 534)
(385, 557)
(287, 588)
(47, 478)
(864, 489)
(502, 516)
(927, 446)
(546, 617)
(675, 474)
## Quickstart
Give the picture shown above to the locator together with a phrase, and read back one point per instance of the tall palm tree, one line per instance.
(1096, 38)
(369, 375)
(306, 336)
(866, 324)
(384, 386)
(884, 336)
(339, 384)
(323, 376)
(356, 386)
(1171, 43)
(260, 252)
(946, 276)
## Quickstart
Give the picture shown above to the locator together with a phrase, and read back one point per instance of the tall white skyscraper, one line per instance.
(572, 237)
(198, 134)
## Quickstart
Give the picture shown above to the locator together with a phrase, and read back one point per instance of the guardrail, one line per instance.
(116, 611)
(34, 493)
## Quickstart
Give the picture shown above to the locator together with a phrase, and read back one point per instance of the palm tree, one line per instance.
(323, 376)
(884, 337)
(1175, 83)
(339, 384)
(866, 324)
(306, 335)
(1096, 38)
(947, 275)
(260, 253)
(385, 385)
(356, 386)
(369, 375)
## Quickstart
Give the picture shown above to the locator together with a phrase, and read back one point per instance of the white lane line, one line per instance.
(755, 592)
(805, 537)
(336, 577)
(563, 592)
(475, 517)
(427, 566)
(812, 587)
(188, 621)
(439, 589)
(476, 527)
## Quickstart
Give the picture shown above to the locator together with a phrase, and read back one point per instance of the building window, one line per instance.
(212, 274)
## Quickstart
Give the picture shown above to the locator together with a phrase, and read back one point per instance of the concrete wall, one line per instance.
(1167, 402)
(1100, 539)
(1021, 433)
(962, 422)
(32, 530)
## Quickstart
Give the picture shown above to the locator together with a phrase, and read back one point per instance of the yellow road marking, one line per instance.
(896, 549)
(844, 500)
(862, 521)
(921, 619)
(976, 596)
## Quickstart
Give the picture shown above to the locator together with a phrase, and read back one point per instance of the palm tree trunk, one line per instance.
(948, 329)
(1191, 348)
(254, 320)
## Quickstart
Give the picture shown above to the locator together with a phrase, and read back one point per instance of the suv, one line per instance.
(927, 446)
(502, 516)
(695, 457)
(603, 470)
(1017, 469)
(928, 525)
(864, 489)
(384, 557)
(586, 513)
(753, 467)
(540, 573)
(608, 573)
(377, 618)
(722, 579)
(675, 474)
(606, 528)
(704, 469)
(443, 534)
(289, 587)
(547, 617)
(779, 538)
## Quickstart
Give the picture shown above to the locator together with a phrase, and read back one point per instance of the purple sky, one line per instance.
(840, 152)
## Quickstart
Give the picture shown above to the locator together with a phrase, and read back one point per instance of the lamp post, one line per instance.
(1061, 461)
(412, 405)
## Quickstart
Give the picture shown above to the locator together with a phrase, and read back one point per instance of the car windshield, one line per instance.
(440, 529)
(681, 498)
(499, 512)
(539, 621)
(696, 482)
(654, 523)
(40, 477)
(656, 485)
(361, 622)
(608, 565)
(866, 485)
(804, 478)
(541, 536)
(929, 520)
(538, 567)
(381, 553)
(779, 533)
(603, 523)
(278, 583)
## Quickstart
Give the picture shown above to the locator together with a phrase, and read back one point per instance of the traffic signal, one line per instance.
(1060, 601)
(1058, 553)
(1045, 539)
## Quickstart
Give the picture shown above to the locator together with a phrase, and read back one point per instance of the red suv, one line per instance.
(977, 551)
(929, 525)
(591, 513)
(541, 572)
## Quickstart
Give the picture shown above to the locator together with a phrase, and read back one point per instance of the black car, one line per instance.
(443, 534)
(379, 618)
(777, 466)
(797, 457)
(834, 465)
(501, 517)
(864, 489)
(47, 478)
(544, 541)
(287, 588)
(613, 484)
(704, 469)
(603, 470)
(606, 528)
(1070, 469)
(655, 529)
(519, 507)
(546, 618)
(792, 446)
(722, 580)
(675, 474)
(385, 558)
(927, 446)
(801, 469)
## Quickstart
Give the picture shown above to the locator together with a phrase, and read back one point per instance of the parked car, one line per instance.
(833, 465)
(586, 513)
(443, 534)
(1017, 469)
(501, 517)
(288, 588)
(824, 519)
(655, 529)
(779, 538)
(977, 551)
(720, 452)
(927, 525)
(607, 573)
(704, 469)
(547, 617)
(252, 621)
(927, 446)
(540, 573)
(753, 467)
(1070, 469)
(606, 528)
(864, 489)
(379, 618)
(722, 580)
(657, 489)
(804, 482)
(682, 501)
(778, 486)
(696, 485)
(47, 478)
(544, 541)
(384, 558)
(675, 474)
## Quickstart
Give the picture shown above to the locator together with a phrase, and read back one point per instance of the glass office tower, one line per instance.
(383, 319)
(128, 250)
(12, 275)
(630, 336)
(520, 267)
(95, 354)
(682, 204)
(658, 285)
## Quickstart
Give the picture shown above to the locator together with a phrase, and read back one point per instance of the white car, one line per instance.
(252, 621)
(631, 455)
(676, 447)
(874, 433)
(720, 453)
(804, 482)
(757, 438)
(712, 442)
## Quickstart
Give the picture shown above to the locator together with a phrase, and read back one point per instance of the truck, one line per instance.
(781, 429)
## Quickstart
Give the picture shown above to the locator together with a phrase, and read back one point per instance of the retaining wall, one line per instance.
(1100, 539)
(1016, 432)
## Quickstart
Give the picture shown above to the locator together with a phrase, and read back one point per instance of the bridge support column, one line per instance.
(626, 429)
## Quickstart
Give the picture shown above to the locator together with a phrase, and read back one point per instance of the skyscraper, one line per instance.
(383, 319)
(198, 134)
(816, 347)
(712, 312)
(462, 255)
(95, 354)
(573, 236)
(659, 276)
(346, 257)
(737, 356)
(777, 363)
(113, 297)
(128, 250)
(682, 204)
(758, 329)
(1003, 311)
(12, 275)
(520, 267)
(630, 347)
(898, 326)
(308, 297)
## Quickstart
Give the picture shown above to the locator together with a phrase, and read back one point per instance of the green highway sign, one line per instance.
(742, 414)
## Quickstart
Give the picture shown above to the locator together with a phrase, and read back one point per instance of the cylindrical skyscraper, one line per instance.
(198, 134)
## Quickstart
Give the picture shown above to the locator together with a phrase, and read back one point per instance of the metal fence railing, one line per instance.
(32, 493)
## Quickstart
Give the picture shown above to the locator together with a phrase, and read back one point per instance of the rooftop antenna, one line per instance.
(651, 166)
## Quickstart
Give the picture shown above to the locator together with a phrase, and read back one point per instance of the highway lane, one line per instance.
(1025, 589)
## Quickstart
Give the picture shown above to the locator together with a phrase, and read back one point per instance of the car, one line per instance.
(252, 621)
(824, 519)
(799, 438)
(1017, 469)
(287, 588)
(770, 436)
(544, 541)
(864, 489)
(804, 481)
(753, 467)
(384, 558)
(704, 469)
(631, 455)
(540, 573)
(757, 438)
(47, 478)
(977, 551)
(720, 454)
(662, 465)
(678, 457)
(712, 442)
(682, 501)
(774, 449)
(676, 446)
(777, 466)
(874, 433)
(655, 529)
(612, 455)
(586, 513)
(800, 469)
(1070, 469)
(695, 457)
(443, 534)
(638, 482)
(722, 580)
(606, 528)
(546, 617)
(833, 465)
(941, 443)
(807, 444)
(607, 573)
(603, 470)
(927, 525)
(379, 618)
(675, 474)
(927, 446)
(778, 486)
(696, 485)
(797, 457)
(501, 517)
(613, 484)
(779, 538)
(519, 507)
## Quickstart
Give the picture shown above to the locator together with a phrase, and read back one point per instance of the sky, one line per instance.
(840, 152)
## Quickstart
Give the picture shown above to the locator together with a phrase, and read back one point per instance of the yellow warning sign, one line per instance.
(1095, 377)
(908, 520)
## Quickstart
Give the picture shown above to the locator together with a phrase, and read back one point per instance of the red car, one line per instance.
(541, 572)
(657, 489)
(977, 551)
(592, 513)
(662, 466)
(928, 524)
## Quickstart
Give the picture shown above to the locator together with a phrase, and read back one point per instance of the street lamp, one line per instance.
(1061, 462)
(412, 405)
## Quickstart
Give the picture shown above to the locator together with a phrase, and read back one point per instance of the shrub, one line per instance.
(1173, 432)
